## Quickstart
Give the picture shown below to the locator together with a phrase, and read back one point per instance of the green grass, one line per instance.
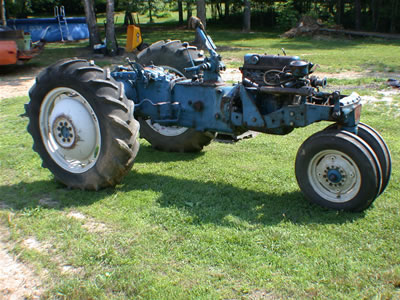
(228, 222)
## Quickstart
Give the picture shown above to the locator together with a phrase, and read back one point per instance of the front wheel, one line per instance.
(336, 169)
(378, 145)
(82, 125)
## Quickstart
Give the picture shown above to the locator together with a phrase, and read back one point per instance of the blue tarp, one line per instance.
(48, 29)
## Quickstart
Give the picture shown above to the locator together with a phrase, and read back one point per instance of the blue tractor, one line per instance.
(85, 120)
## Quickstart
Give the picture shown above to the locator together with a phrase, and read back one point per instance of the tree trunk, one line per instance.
(201, 11)
(188, 10)
(340, 12)
(180, 10)
(247, 16)
(357, 14)
(393, 18)
(110, 29)
(128, 19)
(94, 36)
(226, 8)
(219, 10)
(3, 13)
(151, 11)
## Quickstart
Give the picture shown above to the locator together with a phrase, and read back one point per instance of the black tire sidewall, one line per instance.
(314, 145)
(102, 174)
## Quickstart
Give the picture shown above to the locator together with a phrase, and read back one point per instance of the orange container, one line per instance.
(133, 38)
(8, 52)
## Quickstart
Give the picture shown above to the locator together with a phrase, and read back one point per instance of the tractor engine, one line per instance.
(279, 71)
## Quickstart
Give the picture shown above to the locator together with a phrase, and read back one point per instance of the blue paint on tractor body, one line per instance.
(206, 103)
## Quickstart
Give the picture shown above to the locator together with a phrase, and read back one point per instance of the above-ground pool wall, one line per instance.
(48, 29)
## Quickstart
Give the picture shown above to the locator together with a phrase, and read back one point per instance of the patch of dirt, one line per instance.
(231, 74)
(90, 224)
(262, 294)
(76, 215)
(17, 281)
(17, 81)
(48, 202)
(356, 75)
(387, 96)
(68, 269)
(32, 243)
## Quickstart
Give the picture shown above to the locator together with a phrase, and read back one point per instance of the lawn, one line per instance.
(227, 223)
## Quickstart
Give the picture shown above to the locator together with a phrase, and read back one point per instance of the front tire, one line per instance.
(82, 125)
(338, 170)
(378, 145)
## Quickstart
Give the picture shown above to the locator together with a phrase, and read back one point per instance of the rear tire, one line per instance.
(174, 57)
(82, 125)
(335, 169)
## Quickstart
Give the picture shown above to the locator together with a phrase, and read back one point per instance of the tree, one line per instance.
(150, 9)
(394, 15)
(188, 9)
(357, 14)
(201, 11)
(110, 29)
(94, 36)
(247, 16)
(180, 12)
(339, 12)
(2, 13)
(201, 14)
(226, 8)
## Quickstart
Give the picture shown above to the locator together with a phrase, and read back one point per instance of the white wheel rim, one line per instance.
(70, 130)
(334, 176)
(168, 130)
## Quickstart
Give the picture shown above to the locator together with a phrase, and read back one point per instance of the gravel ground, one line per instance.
(17, 280)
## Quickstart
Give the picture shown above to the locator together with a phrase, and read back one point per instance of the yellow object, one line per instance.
(133, 38)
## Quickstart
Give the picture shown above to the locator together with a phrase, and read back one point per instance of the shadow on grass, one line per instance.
(217, 202)
(208, 202)
(148, 154)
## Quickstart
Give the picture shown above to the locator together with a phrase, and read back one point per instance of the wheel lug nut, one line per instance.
(61, 124)
(63, 140)
(59, 135)
(70, 135)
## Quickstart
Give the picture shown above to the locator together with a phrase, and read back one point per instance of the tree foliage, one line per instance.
(368, 15)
